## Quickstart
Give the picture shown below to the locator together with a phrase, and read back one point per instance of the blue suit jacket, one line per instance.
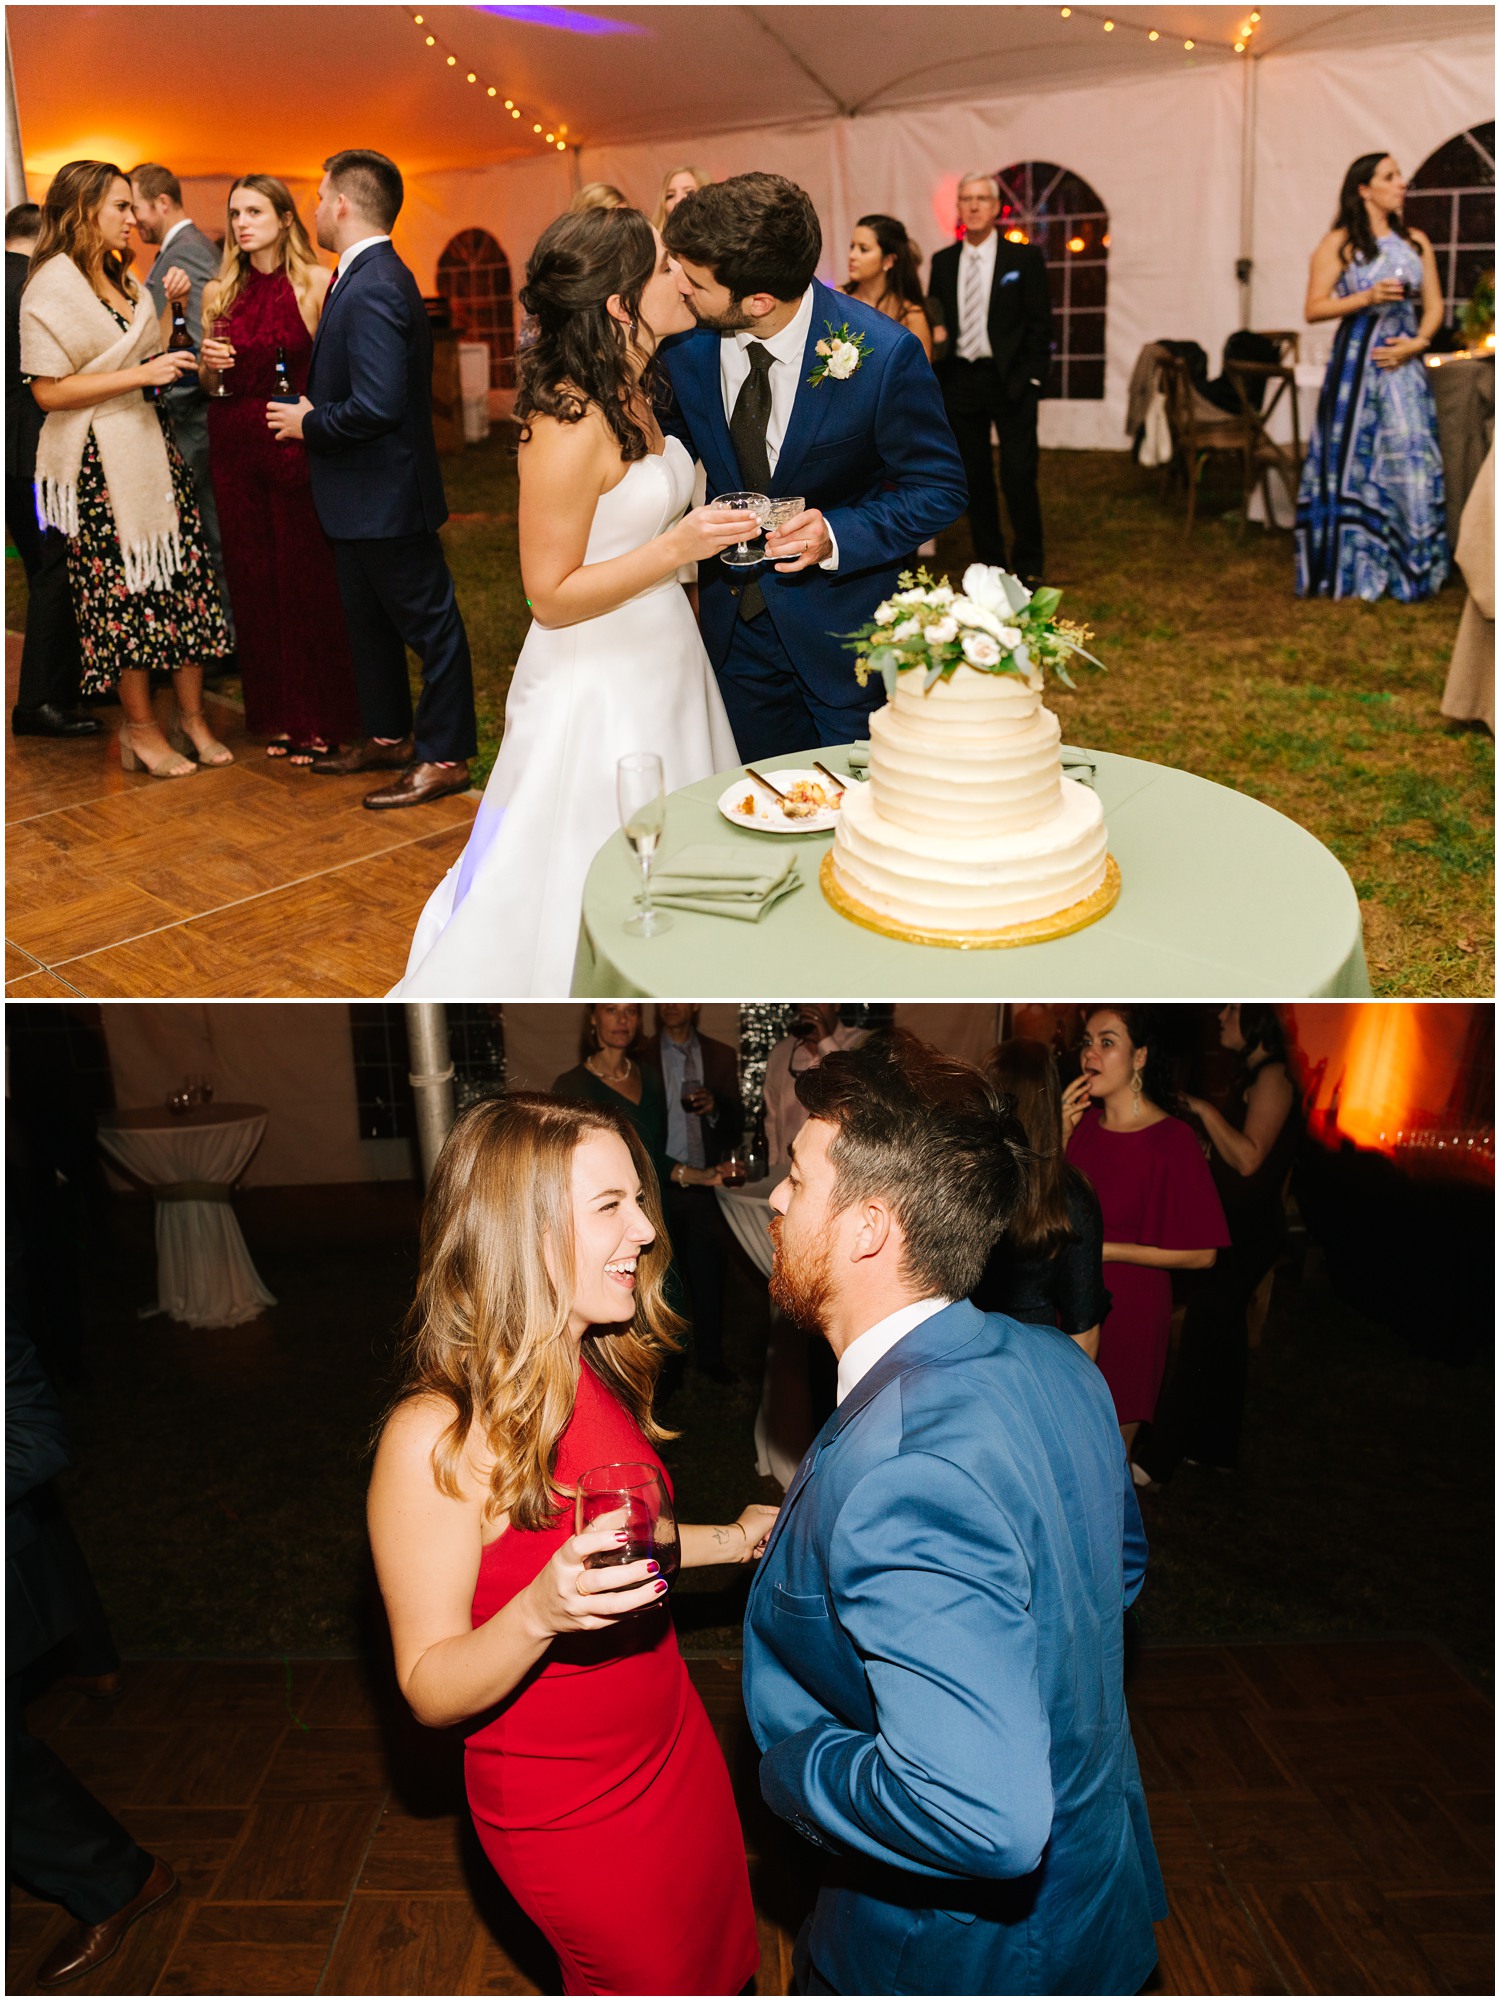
(874, 452)
(933, 1673)
(371, 458)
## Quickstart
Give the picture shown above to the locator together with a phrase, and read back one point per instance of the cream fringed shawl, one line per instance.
(66, 329)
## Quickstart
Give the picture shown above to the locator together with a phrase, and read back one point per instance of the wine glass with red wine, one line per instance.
(633, 1498)
(733, 1169)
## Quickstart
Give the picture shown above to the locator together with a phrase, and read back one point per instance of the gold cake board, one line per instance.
(1077, 916)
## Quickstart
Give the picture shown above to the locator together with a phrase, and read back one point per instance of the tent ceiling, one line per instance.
(219, 90)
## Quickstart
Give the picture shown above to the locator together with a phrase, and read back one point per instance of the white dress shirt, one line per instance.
(974, 334)
(785, 349)
(357, 250)
(866, 1349)
(176, 230)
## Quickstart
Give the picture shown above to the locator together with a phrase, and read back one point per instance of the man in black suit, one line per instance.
(703, 1124)
(367, 424)
(180, 245)
(993, 369)
(51, 663)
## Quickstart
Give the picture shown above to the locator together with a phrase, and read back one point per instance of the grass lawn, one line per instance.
(1328, 712)
(220, 1475)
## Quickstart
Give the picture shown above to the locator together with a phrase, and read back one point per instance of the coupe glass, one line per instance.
(751, 505)
(641, 795)
(632, 1497)
(778, 512)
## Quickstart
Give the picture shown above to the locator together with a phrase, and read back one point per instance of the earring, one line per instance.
(1135, 1094)
(593, 1033)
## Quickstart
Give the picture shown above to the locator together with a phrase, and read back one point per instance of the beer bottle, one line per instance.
(283, 391)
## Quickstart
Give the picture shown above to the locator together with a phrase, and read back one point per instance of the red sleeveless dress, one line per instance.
(598, 1789)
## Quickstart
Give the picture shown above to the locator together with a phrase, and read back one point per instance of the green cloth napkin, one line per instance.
(723, 882)
(859, 759)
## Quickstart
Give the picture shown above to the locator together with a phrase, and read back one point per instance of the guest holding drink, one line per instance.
(109, 474)
(1161, 1213)
(260, 315)
(610, 1072)
(1254, 1139)
(677, 183)
(1048, 1267)
(700, 1082)
(596, 1783)
(1370, 509)
(883, 272)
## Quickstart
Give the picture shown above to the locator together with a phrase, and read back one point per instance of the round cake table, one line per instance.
(1221, 898)
(190, 1162)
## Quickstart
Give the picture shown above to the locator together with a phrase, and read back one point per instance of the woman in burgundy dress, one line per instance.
(1161, 1210)
(294, 658)
(596, 1783)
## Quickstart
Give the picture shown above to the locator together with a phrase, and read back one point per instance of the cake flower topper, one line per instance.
(842, 354)
(994, 625)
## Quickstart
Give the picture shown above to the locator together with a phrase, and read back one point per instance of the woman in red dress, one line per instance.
(596, 1783)
(1161, 1209)
(294, 659)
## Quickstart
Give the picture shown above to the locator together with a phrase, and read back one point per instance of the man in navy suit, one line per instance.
(934, 1639)
(367, 423)
(870, 453)
(994, 368)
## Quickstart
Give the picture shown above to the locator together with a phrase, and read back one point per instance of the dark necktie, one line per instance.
(747, 433)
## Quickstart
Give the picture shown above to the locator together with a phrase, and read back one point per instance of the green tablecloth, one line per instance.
(1223, 899)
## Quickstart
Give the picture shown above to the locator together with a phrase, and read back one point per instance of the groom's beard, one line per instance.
(734, 320)
(802, 1294)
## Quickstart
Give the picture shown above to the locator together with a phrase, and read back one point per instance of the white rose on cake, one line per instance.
(1010, 635)
(980, 650)
(885, 614)
(843, 359)
(909, 628)
(941, 631)
(941, 595)
(965, 612)
(995, 590)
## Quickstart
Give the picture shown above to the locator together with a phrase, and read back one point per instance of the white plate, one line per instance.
(768, 817)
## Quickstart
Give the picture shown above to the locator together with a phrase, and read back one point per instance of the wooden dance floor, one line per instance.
(1324, 1816)
(251, 881)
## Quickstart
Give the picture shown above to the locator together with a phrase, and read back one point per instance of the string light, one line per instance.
(1241, 38)
(553, 139)
(1109, 27)
(1152, 35)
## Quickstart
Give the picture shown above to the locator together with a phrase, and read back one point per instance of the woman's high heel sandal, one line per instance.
(160, 763)
(212, 752)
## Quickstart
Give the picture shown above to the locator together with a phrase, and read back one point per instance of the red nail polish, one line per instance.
(622, 1535)
(653, 1569)
(660, 1584)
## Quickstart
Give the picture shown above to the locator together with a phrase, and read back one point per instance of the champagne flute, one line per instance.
(742, 556)
(632, 1497)
(641, 795)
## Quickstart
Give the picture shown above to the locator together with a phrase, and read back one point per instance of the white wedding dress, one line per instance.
(503, 922)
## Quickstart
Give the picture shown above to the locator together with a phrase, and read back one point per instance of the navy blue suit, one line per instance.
(875, 453)
(378, 491)
(933, 1672)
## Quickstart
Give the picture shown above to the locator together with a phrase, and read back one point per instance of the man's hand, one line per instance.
(805, 539)
(176, 284)
(284, 420)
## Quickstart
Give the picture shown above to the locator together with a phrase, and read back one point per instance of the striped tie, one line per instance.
(971, 310)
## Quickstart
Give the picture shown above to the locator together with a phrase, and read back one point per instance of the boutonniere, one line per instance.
(842, 353)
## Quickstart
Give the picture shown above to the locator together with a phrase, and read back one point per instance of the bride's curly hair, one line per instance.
(580, 354)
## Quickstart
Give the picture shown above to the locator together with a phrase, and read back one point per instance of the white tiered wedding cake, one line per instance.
(967, 832)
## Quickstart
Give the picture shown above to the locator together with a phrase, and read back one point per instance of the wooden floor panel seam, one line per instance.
(359, 1870)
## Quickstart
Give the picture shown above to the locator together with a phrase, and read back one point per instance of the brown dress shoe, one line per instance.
(97, 1687)
(366, 755)
(419, 783)
(91, 1945)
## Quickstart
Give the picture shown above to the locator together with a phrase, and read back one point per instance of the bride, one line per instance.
(613, 662)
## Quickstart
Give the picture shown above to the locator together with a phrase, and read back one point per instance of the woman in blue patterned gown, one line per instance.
(1370, 516)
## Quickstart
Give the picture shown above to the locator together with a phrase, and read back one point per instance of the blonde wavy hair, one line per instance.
(488, 1328)
(595, 194)
(69, 225)
(298, 258)
(700, 179)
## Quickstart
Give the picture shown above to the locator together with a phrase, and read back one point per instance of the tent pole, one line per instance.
(574, 167)
(15, 158)
(1244, 269)
(431, 1077)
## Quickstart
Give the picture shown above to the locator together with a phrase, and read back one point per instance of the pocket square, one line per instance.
(1009, 277)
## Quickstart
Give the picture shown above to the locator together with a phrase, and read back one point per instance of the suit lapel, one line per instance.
(812, 403)
(341, 288)
(695, 367)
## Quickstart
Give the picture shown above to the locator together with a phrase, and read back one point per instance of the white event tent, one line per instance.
(1201, 155)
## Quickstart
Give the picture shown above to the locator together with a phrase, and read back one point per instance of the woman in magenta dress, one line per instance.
(294, 659)
(1161, 1209)
(596, 1783)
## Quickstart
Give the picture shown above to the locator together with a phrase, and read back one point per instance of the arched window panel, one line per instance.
(1452, 197)
(1059, 212)
(473, 275)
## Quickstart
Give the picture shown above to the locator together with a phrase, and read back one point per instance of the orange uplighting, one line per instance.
(1076, 243)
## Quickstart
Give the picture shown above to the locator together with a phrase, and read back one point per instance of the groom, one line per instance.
(869, 451)
(933, 1643)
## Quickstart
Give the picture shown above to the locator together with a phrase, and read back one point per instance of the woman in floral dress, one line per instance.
(1370, 510)
(139, 606)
